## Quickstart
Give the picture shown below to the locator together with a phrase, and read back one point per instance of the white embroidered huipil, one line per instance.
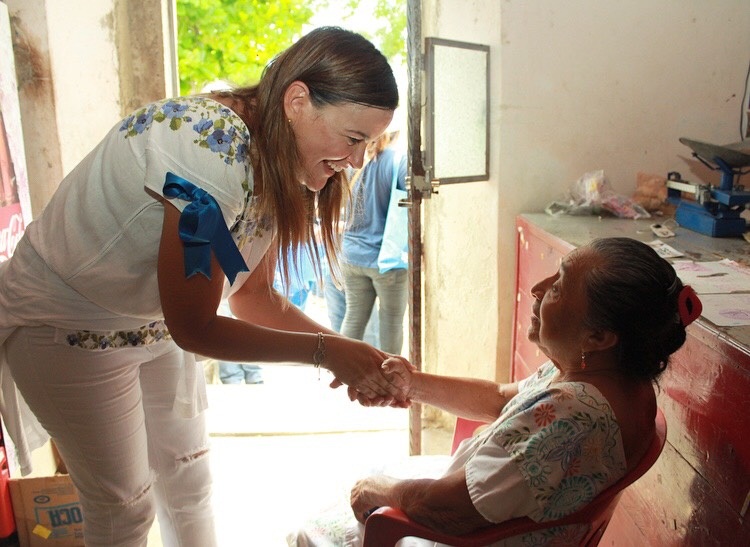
(88, 265)
(551, 451)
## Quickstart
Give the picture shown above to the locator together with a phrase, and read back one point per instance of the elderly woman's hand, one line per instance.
(399, 367)
(370, 493)
(399, 371)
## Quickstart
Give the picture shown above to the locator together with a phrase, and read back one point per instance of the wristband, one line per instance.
(320, 352)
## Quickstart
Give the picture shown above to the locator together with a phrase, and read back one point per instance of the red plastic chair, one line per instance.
(7, 518)
(386, 526)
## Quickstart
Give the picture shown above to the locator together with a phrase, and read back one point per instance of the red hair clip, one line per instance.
(689, 306)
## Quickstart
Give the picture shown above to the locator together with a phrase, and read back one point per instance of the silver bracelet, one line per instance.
(320, 352)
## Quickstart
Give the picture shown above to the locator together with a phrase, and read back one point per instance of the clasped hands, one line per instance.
(397, 371)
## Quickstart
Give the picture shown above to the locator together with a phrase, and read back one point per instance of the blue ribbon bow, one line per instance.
(202, 229)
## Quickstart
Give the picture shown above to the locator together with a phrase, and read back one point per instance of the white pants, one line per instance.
(129, 454)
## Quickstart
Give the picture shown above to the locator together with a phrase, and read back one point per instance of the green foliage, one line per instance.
(233, 40)
(388, 30)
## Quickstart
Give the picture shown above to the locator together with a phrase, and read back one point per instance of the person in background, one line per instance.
(364, 278)
(115, 287)
(336, 309)
(301, 283)
(608, 320)
(235, 373)
(240, 373)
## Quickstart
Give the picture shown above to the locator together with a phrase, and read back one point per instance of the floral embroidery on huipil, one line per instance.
(146, 335)
(216, 128)
(564, 441)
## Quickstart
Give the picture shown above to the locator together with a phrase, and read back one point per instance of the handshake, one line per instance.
(394, 390)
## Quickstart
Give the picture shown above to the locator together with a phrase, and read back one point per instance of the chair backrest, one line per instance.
(386, 526)
(464, 429)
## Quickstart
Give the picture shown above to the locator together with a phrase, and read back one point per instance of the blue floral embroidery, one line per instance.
(174, 110)
(143, 121)
(203, 125)
(152, 333)
(241, 152)
(219, 141)
(222, 137)
(127, 123)
(218, 129)
(250, 227)
(214, 128)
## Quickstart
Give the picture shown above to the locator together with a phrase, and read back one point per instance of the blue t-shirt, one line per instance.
(302, 278)
(369, 206)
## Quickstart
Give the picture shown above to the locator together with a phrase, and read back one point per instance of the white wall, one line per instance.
(85, 67)
(68, 84)
(575, 86)
(36, 96)
(81, 67)
(613, 85)
(460, 226)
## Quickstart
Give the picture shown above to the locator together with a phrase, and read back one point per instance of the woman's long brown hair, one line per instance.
(338, 66)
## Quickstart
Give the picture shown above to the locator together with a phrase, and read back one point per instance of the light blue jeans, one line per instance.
(362, 287)
(239, 373)
(336, 306)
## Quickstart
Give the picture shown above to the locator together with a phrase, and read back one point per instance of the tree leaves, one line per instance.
(233, 40)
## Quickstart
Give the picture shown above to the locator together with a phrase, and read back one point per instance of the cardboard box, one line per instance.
(48, 512)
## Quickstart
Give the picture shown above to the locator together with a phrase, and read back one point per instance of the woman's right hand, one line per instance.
(359, 366)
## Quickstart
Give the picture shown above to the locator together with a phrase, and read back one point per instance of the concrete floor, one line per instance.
(283, 450)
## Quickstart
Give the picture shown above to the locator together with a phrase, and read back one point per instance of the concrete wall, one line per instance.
(576, 86)
(81, 66)
(460, 227)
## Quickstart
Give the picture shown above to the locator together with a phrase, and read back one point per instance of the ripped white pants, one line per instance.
(128, 452)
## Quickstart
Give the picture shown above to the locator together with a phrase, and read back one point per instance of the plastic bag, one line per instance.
(592, 195)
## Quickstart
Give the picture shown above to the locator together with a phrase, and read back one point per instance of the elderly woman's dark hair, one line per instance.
(635, 293)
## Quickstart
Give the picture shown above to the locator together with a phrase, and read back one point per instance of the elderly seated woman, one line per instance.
(608, 321)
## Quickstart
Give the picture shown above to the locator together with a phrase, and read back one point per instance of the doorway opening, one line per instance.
(285, 440)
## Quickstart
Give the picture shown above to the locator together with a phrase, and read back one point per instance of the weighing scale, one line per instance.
(713, 211)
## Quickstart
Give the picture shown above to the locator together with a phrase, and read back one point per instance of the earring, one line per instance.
(583, 360)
